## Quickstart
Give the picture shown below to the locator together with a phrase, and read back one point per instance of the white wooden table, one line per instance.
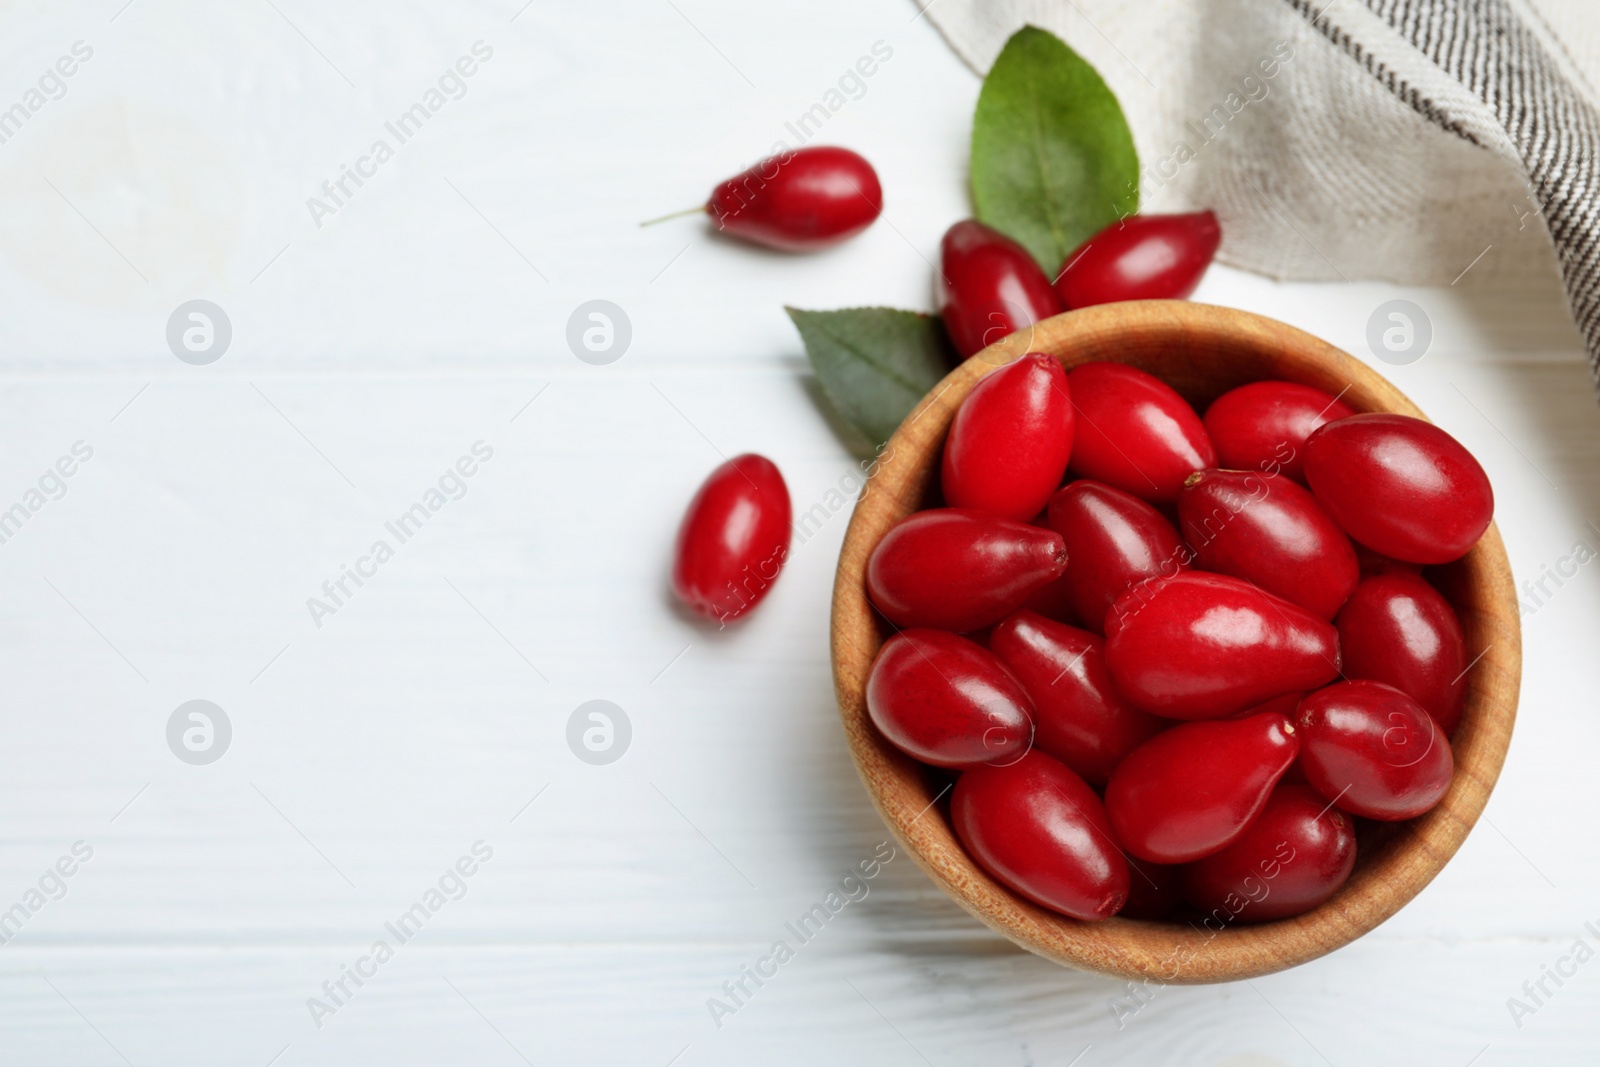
(429, 712)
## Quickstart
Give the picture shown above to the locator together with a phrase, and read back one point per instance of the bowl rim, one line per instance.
(1399, 861)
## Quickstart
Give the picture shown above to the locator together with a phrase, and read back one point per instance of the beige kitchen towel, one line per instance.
(1426, 142)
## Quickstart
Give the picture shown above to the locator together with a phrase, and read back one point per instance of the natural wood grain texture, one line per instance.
(1202, 351)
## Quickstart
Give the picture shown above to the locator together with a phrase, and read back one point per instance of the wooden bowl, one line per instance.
(1201, 351)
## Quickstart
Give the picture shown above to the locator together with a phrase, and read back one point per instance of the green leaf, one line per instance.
(874, 364)
(1053, 162)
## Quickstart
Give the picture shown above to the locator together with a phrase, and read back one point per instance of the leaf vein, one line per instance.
(866, 357)
(1036, 147)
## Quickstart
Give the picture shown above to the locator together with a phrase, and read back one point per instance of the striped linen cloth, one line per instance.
(1426, 142)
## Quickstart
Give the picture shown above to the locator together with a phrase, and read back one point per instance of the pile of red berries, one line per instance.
(1182, 675)
(735, 536)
